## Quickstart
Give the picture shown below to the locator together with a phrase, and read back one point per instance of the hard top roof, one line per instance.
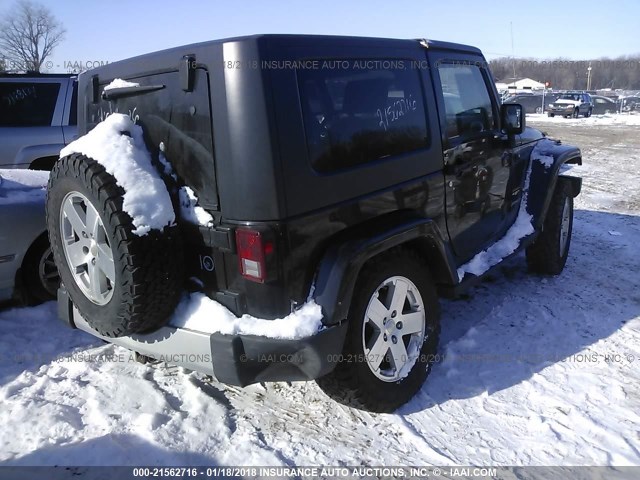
(277, 40)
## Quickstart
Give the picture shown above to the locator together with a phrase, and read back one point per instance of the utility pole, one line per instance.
(589, 77)
(513, 55)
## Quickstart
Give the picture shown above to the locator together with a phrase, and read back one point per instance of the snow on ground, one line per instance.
(593, 121)
(19, 186)
(118, 145)
(27, 178)
(533, 370)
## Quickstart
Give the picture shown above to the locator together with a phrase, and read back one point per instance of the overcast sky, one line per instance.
(100, 30)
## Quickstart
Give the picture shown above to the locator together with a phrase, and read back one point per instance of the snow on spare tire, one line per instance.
(113, 230)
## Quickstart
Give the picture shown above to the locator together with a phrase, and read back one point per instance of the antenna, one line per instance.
(513, 54)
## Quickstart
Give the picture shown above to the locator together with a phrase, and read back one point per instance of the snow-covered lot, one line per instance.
(534, 371)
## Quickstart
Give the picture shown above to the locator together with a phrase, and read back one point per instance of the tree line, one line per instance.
(563, 74)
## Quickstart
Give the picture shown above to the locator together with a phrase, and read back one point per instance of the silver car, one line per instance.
(27, 271)
(38, 117)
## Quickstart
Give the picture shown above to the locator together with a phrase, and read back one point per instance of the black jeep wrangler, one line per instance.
(368, 175)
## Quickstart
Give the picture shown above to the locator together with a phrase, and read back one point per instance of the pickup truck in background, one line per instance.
(38, 117)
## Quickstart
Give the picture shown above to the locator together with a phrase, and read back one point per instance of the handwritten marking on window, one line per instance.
(18, 95)
(398, 109)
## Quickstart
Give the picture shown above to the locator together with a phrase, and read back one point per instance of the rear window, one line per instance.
(27, 104)
(355, 115)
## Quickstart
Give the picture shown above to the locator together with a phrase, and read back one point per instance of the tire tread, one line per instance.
(149, 268)
(543, 256)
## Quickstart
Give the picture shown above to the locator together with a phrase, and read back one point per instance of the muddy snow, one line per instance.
(532, 370)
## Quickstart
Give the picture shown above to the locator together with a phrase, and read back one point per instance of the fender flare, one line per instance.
(544, 179)
(340, 267)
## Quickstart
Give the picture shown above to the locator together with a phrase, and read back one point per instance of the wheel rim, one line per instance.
(48, 272)
(394, 329)
(564, 226)
(86, 248)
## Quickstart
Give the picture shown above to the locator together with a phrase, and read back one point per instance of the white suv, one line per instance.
(571, 105)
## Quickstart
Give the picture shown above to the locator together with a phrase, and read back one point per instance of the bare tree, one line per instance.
(28, 36)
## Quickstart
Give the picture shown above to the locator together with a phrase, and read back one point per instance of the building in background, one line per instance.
(520, 85)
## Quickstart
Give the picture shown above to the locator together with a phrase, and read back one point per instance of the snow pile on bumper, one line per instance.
(198, 312)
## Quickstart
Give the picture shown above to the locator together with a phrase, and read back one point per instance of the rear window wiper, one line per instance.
(121, 92)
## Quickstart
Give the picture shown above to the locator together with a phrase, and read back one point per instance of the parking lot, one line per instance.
(544, 372)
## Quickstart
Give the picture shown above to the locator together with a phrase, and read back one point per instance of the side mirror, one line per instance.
(512, 118)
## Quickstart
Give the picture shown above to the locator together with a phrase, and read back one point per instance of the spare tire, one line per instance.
(121, 283)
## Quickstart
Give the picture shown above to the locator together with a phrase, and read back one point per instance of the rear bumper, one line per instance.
(233, 359)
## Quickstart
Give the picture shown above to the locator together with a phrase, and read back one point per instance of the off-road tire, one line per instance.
(544, 256)
(148, 269)
(352, 383)
(588, 113)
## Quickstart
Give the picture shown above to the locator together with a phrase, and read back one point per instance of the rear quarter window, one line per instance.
(27, 104)
(356, 115)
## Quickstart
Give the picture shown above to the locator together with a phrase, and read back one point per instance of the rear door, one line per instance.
(476, 156)
(180, 120)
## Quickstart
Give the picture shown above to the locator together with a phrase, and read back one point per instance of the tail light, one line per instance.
(252, 252)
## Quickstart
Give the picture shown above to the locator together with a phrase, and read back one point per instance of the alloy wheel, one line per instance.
(564, 225)
(394, 329)
(87, 248)
(48, 272)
